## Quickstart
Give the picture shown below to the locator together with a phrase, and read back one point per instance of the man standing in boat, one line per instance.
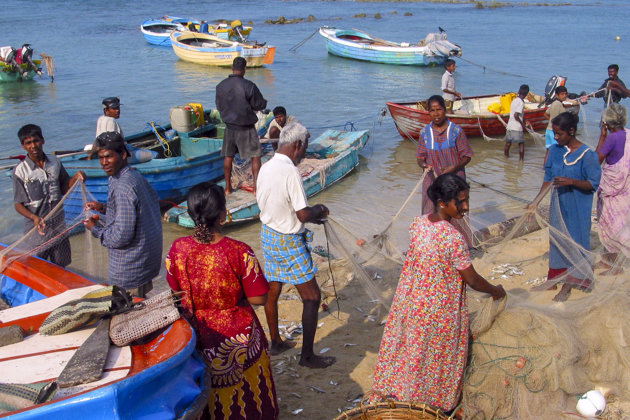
(612, 87)
(107, 121)
(133, 226)
(284, 210)
(237, 100)
(448, 85)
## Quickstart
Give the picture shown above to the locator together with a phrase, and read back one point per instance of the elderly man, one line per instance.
(237, 100)
(133, 226)
(284, 210)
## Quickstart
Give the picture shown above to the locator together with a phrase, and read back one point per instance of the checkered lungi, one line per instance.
(287, 257)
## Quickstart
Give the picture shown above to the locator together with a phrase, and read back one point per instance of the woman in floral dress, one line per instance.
(222, 279)
(425, 343)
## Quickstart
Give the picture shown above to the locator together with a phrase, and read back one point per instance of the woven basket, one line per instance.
(392, 410)
(145, 317)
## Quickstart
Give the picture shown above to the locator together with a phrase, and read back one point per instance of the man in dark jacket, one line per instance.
(237, 100)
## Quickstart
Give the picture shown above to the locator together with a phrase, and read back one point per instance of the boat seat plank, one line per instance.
(47, 363)
(45, 305)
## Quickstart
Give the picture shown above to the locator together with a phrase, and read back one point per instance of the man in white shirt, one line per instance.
(107, 122)
(284, 210)
(448, 85)
(516, 124)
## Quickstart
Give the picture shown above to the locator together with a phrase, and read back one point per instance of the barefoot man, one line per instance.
(237, 100)
(283, 212)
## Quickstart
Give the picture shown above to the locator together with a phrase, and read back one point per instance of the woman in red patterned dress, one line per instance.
(222, 279)
(425, 343)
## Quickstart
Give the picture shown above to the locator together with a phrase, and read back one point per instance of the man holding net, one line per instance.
(283, 212)
(133, 226)
(39, 182)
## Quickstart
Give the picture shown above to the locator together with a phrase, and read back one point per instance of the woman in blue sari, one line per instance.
(573, 170)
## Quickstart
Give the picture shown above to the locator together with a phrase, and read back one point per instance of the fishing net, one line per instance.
(63, 239)
(530, 356)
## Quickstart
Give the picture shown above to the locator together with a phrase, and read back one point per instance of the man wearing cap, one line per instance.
(133, 227)
(237, 100)
(107, 121)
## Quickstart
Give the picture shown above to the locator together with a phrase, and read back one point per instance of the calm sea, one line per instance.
(99, 51)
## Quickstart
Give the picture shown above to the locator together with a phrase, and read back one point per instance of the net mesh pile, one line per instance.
(530, 356)
(87, 258)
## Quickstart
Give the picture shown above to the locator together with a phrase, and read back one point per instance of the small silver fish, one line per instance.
(333, 383)
(324, 350)
(314, 388)
(296, 412)
(295, 394)
(349, 344)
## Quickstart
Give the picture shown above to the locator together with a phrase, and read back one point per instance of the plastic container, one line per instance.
(506, 101)
(182, 118)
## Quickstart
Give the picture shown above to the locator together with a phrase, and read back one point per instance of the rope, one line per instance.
(299, 44)
(513, 197)
(488, 68)
(332, 276)
(163, 141)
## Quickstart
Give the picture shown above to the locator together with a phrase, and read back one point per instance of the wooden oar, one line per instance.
(87, 363)
(383, 41)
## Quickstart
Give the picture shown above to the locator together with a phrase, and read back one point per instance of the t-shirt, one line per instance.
(105, 124)
(516, 107)
(280, 194)
(556, 108)
(613, 146)
(448, 82)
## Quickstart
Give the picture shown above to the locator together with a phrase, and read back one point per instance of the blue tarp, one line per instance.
(16, 294)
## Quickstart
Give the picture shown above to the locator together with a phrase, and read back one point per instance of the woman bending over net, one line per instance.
(425, 343)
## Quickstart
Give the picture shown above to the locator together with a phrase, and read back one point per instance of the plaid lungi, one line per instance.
(287, 257)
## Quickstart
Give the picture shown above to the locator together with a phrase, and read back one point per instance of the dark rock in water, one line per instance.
(10, 335)
(283, 21)
(408, 14)
(310, 18)
(377, 16)
(394, 12)
(360, 15)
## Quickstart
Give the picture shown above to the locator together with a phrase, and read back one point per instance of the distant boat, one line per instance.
(470, 113)
(17, 64)
(211, 50)
(359, 45)
(157, 31)
(161, 378)
(329, 158)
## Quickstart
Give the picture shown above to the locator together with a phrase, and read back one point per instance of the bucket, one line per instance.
(198, 114)
(182, 118)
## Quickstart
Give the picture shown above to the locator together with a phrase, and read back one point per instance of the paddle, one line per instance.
(87, 363)
(383, 41)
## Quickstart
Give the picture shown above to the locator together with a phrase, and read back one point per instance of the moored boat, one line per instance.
(211, 50)
(159, 379)
(157, 31)
(329, 158)
(359, 45)
(470, 113)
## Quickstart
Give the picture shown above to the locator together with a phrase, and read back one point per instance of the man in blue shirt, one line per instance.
(133, 226)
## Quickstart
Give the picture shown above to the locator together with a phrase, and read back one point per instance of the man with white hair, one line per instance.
(284, 210)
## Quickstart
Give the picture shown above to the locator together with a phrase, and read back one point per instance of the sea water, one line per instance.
(99, 51)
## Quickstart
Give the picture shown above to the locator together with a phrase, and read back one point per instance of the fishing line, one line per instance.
(488, 68)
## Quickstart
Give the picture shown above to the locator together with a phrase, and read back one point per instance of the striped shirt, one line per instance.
(132, 231)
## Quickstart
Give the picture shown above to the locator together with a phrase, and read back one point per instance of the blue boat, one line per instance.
(162, 379)
(329, 158)
(191, 157)
(359, 45)
(157, 31)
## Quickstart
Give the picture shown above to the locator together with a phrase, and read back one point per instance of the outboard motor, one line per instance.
(550, 89)
(26, 56)
(10, 56)
(236, 26)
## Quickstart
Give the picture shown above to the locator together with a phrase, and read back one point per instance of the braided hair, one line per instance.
(206, 205)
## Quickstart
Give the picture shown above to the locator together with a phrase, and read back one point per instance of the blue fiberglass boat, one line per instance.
(162, 379)
(329, 158)
(359, 45)
(157, 31)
